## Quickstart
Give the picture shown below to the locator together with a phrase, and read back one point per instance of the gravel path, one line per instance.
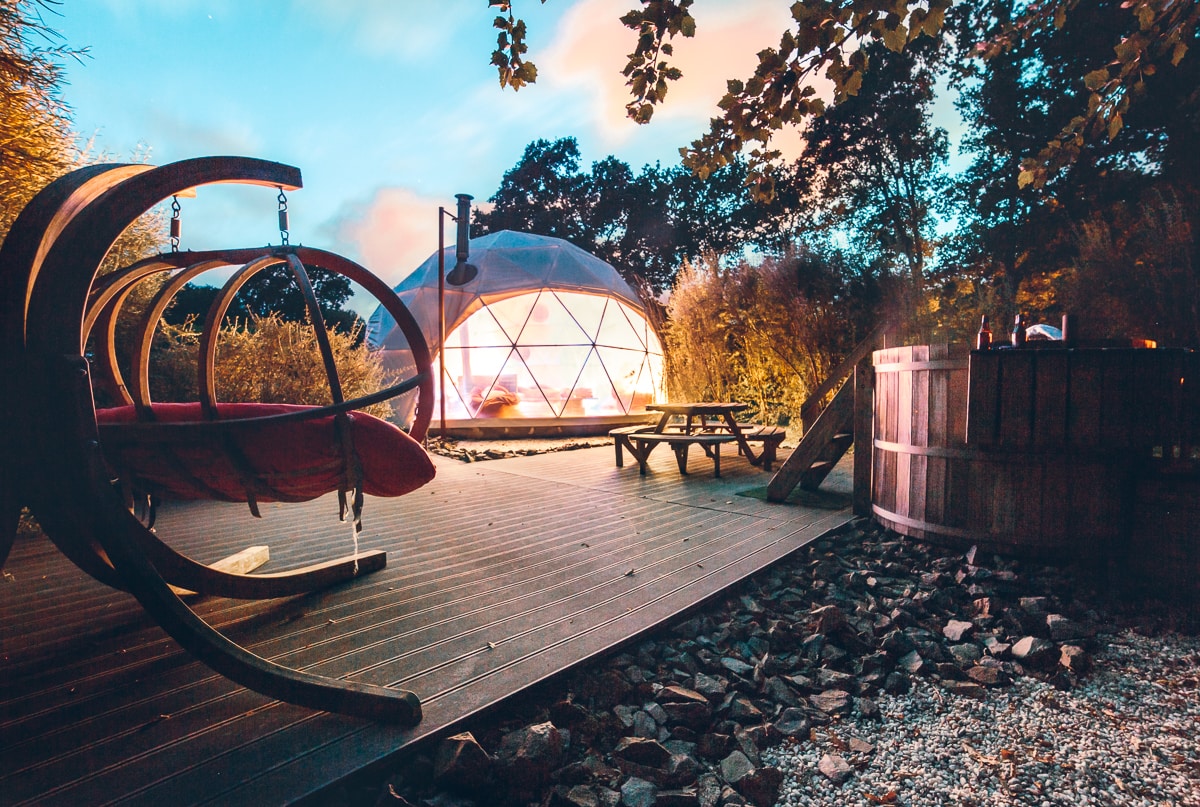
(1127, 735)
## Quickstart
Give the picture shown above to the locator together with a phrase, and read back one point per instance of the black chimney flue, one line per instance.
(463, 272)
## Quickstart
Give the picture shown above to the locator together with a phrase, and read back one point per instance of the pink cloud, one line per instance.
(392, 232)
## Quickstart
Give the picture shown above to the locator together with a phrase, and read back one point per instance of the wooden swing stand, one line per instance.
(80, 470)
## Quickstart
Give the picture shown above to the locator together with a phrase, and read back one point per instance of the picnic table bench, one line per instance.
(708, 434)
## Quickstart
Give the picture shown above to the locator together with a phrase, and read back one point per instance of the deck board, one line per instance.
(500, 574)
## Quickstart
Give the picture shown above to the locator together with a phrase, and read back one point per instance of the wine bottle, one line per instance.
(983, 339)
(1018, 331)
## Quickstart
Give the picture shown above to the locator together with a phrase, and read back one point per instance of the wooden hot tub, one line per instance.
(1084, 454)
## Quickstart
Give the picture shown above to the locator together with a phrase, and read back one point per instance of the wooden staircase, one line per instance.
(829, 432)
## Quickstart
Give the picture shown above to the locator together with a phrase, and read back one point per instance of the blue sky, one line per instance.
(389, 107)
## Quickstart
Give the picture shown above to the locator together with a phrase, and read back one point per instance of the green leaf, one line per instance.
(1114, 126)
(1096, 79)
(895, 38)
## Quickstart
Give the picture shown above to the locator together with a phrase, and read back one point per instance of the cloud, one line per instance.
(591, 46)
(407, 31)
(392, 232)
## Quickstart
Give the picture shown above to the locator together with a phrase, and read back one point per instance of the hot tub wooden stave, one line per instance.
(1045, 453)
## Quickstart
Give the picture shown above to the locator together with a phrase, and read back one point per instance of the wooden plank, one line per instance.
(836, 418)
(1117, 399)
(1189, 380)
(936, 435)
(1085, 373)
(1056, 501)
(864, 377)
(983, 398)
(1050, 400)
(124, 715)
(244, 562)
(1016, 399)
(904, 418)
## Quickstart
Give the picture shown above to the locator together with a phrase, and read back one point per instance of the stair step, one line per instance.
(815, 475)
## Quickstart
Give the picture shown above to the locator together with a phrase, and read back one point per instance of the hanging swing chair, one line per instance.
(83, 467)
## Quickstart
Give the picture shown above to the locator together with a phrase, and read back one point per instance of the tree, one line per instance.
(36, 142)
(273, 292)
(875, 163)
(1016, 239)
(543, 193)
(833, 37)
(645, 224)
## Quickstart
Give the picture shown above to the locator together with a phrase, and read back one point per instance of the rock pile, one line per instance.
(684, 718)
(482, 450)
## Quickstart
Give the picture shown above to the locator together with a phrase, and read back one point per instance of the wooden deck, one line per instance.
(499, 574)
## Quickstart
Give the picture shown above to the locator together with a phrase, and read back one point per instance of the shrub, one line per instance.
(764, 333)
(269, 360)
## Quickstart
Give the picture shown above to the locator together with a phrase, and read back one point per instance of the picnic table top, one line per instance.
(698, 408)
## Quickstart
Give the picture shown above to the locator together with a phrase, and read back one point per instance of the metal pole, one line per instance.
(442, 319)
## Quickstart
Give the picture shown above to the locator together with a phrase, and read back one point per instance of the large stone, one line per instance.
(1074, 658)
(677, 694)
(835, 768)
(577, 796)
(956, 630)
(988, 675)
(735, 767)
(711, 687)
(793, 723)
(644, 725)
(714, 745)
(827, 619)
(834, 679)
(685, 797)
(682, 770)
(1064, 629)
(968, 689)
(638, 793)
(737, 666)
(965, 654)
(911, 663)
(831, 701)
(694, 715)
(528, 755)
(605, 690)
(868, 709)
(1035, 652)
(461, 763)
(761, 786)
(642, 751)
(744, 711)
(778, 691)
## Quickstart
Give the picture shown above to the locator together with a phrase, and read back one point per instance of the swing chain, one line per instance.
(175, 223)
(283, 217)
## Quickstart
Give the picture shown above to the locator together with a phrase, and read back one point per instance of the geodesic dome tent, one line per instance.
(545, 331)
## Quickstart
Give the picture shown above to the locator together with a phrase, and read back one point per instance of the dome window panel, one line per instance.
(543, 332)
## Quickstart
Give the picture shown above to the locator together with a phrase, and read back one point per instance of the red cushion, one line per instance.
(296, 461)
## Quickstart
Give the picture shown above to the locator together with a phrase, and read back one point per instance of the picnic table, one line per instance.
(708, 424)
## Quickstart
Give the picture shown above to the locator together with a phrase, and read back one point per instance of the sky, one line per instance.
(388, 107)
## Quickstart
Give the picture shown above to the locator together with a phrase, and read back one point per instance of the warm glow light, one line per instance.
(551, 354)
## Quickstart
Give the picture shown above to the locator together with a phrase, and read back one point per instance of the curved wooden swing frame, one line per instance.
(52, 304)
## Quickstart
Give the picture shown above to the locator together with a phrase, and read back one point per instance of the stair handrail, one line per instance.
(810, 410)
